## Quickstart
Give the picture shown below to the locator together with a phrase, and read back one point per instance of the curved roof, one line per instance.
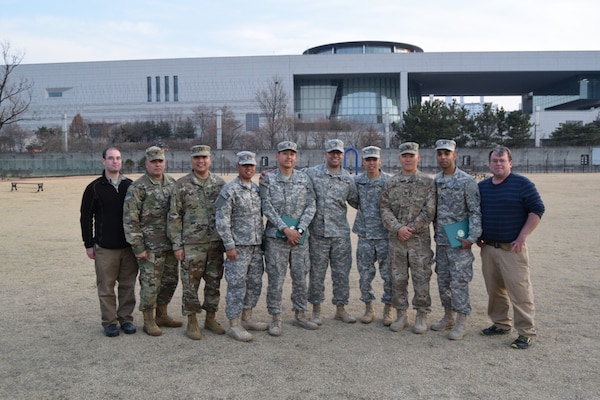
(367, 46)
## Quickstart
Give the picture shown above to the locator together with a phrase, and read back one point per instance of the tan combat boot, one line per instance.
(316, 314)
(301, 321)
(250, 324)
(446, 322)
(163, 319)
(193, 330)
(369, 314)
(237, 332)
(150, 326)
(400, 322)
(420, 325)
(342, 315)
(212, 324)
(460, 329)
(275, 327)
(388, 315)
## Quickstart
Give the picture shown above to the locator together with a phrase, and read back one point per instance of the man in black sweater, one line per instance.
(104, 240)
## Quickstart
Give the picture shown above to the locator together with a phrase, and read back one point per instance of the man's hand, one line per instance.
(404, 233)
(232, 254)
(179, 254)
(91, 253)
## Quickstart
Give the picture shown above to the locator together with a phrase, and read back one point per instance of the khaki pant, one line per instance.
(508, 281)
(116, 266)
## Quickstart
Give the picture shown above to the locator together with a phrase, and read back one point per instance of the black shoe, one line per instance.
(128, 327)
(522, 342)
(494, 331)
(111, 330)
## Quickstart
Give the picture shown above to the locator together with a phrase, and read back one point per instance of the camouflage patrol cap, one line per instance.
(286, 145)
(409, 148)
(371, 152)
(155, 153)
(246, 158)
(334, 145)
(200, 150)
(445, 144)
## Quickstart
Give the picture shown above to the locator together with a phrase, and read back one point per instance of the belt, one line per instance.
(498, 245)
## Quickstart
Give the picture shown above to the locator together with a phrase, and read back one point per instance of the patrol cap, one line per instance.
(409, 148)
(286, 145)
(246, 158)
(200, 150)
(155, 153)
(445, 144)
(334, 145)
(371, 152)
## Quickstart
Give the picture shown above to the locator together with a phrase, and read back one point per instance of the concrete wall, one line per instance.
(529, 160)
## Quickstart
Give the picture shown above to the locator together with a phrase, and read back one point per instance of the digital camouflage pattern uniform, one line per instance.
(239, 222)
(330, 233)
(145, 223)
(372, 237)
(410, 200)
(457, 199)
(191, 226)
(292, 196)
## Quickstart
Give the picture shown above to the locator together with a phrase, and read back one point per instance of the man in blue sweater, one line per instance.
(511, 208)
(105, 243)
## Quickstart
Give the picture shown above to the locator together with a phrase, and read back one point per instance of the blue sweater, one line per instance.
(506, 206)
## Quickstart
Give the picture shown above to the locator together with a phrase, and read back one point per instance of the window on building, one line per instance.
(166, 88)
(158, 88)
(149, 88)
(252, 122)
(175, 88)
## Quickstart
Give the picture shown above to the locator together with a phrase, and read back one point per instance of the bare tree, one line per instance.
(273, 102)
(15, 93)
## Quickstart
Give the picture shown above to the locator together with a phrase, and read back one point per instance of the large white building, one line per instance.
(373, 82)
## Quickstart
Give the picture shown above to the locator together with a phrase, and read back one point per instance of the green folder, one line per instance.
(458, 229)
(290, 222)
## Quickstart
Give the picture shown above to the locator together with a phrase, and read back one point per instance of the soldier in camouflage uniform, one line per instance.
(145, 223)
(457, 200)
(330, 232)
(372, 236)
(196, 243)
(287, 193)
(239, 222)
(407, 209)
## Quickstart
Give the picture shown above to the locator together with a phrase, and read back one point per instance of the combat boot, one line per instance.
(193, 330)
(342, 315)
(369, 314)
(316, 314)
(250, 324)
(237, 332)
(400, 322)
(163, 319)
(212, 324)
(420, 325)
(446, 322)
(150, 326)
(275, 327)
(388, 315)
(301, 321)
(460, 329)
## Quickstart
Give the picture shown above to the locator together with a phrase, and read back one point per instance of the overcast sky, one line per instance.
(63, 31)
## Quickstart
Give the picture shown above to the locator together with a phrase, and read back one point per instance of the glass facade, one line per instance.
(367, 99)
(573, 91)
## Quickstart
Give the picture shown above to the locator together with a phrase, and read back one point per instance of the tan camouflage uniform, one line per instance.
(145, 223)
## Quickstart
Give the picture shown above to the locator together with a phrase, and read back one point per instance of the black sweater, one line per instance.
(102, 214)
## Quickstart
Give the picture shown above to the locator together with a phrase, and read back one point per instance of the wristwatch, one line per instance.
(300, 231)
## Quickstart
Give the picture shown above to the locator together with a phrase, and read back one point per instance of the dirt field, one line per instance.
(52, 344)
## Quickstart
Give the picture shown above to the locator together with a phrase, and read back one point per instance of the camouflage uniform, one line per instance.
(191, 227)
(292, 196)
(409, 200)
(457, 199)
(372, 237)
(145, 223)
(239, 222)
(330, 234)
